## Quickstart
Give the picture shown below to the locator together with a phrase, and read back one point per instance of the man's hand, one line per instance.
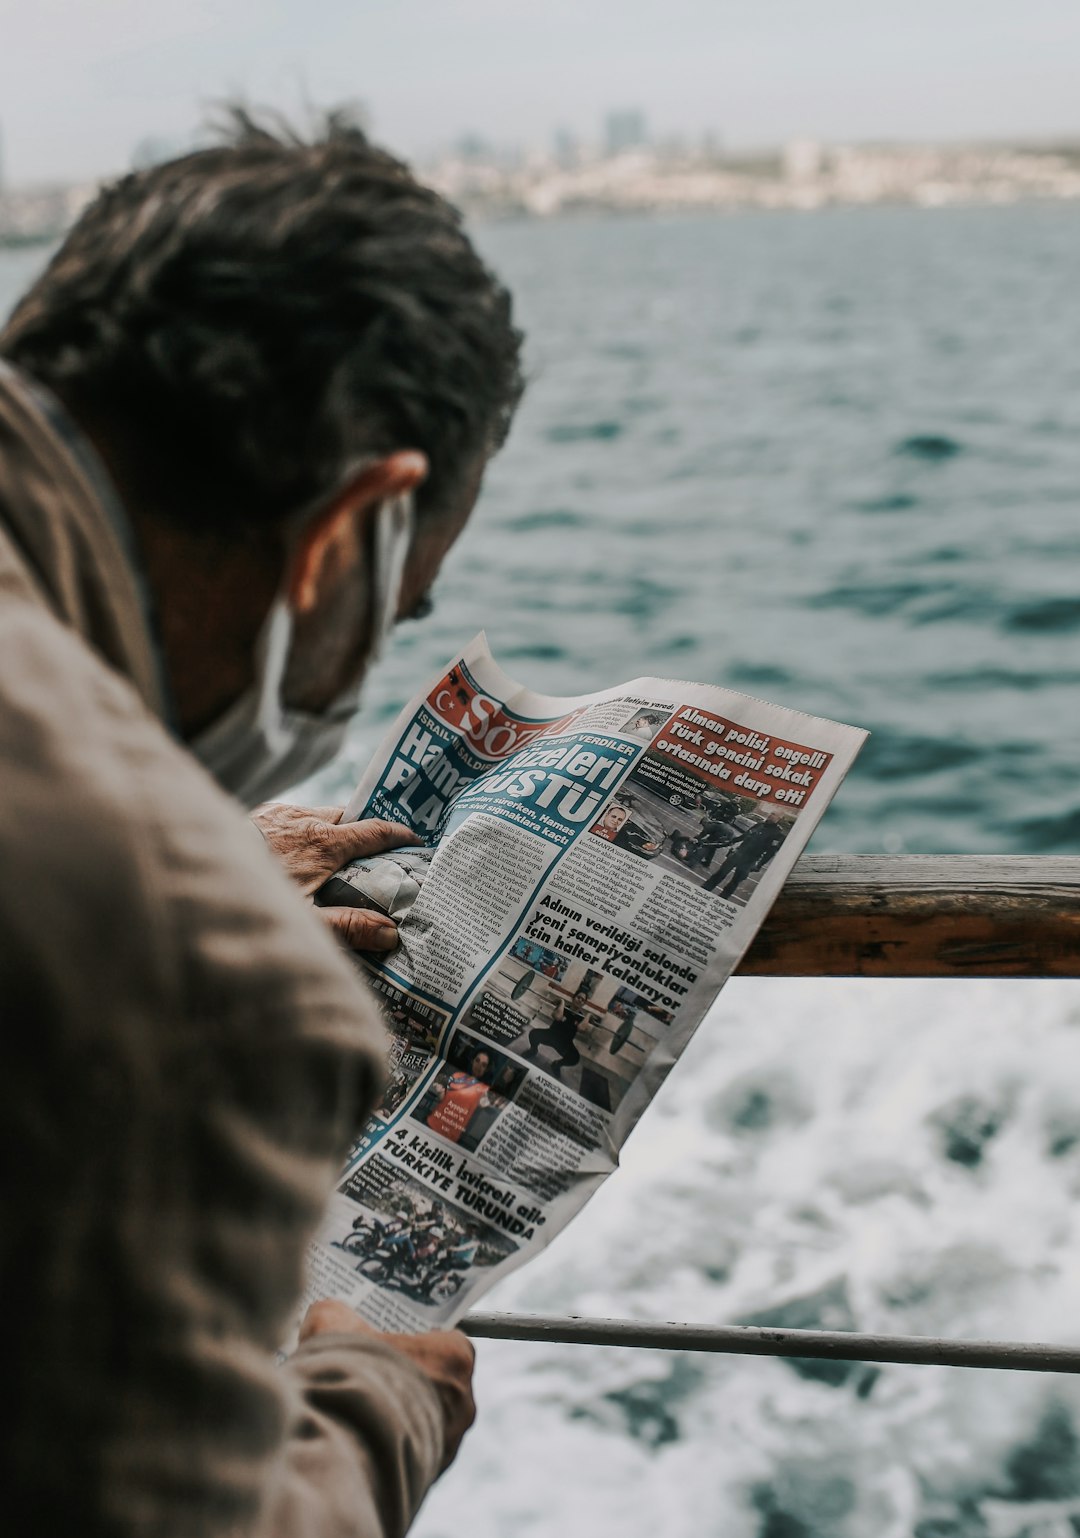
(313, 843)
(445, 1357)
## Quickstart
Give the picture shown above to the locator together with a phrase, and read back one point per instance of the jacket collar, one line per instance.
(62, 513)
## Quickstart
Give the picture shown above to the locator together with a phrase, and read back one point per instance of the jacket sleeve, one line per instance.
(365, 1442)
(296, 1047)
(190, 1056)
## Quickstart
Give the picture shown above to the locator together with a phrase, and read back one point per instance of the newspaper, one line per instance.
(592, 871)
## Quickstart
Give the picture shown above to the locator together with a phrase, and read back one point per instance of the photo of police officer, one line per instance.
(747, 856)
(710, 836)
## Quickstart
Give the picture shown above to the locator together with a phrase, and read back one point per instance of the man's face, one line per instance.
(614, 818)
(431, 544)
(331, 645)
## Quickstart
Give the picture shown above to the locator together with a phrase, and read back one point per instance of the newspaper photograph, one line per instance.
(592, 871)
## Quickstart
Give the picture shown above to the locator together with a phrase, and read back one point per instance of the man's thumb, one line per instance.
(370, 836)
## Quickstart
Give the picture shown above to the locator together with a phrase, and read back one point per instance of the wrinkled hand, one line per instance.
(445, 1357)
(312, 843)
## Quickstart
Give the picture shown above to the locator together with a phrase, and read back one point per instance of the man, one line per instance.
(611, 824)
(561, 1034)
(244, 413)
(615, 826)
(464, 1249)
(754, 849)
(713, 834)
(461, 1098)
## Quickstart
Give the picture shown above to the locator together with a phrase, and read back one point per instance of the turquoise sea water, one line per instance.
(833, 460)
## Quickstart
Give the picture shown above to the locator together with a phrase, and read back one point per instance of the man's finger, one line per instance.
(287, 808)
(371, 835)
(360, 929)
(328, 1316)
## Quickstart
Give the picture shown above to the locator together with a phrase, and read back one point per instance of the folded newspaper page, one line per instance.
(592, 871)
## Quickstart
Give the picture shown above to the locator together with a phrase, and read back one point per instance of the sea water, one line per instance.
(833, 460)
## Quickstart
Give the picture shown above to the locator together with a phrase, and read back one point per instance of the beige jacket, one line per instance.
(186, 1055)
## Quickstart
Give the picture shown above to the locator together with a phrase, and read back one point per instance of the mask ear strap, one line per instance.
(394, 524)
(272, 656)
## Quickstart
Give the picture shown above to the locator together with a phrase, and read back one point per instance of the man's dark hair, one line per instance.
(255, 317)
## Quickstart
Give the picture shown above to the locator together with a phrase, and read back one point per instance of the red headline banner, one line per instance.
(722, 752)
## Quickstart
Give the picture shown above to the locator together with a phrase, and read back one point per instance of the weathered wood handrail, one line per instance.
(923, 916)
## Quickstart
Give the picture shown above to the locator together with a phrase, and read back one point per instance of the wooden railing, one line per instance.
(923, 916)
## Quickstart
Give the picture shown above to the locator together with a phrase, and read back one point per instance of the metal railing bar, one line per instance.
(749, 1340)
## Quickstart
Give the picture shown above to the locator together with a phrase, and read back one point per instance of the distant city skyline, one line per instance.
(84, 83)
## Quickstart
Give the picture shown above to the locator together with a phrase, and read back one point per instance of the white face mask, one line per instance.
(260, 747)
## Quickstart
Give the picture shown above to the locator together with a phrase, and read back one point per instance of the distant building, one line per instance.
(804, 160)
(565, 148)
(473, 148)
(625, 130)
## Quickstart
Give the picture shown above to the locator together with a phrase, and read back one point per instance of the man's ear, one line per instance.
(333, 540)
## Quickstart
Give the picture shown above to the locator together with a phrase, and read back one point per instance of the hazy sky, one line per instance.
(81, 81)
